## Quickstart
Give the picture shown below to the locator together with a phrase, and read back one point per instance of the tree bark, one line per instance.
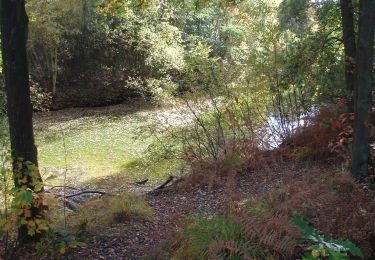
(347, 20)
(363, 102)
(14, 28)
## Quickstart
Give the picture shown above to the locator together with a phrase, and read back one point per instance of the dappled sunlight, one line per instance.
(111, 142)
(189, 129)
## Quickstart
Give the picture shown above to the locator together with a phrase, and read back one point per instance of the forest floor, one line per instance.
(172, 208)
(107, 150)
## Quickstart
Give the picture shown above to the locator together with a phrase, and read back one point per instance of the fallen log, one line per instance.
(162, 186)
(102, 193)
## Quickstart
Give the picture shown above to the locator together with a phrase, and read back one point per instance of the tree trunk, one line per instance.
(347, 20)
(54, 70)
(14, 28)
(363, 102)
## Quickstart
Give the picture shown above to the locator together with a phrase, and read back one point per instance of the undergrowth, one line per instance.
(318, 188)
(324, 138)
(260, 228)
(98, 215)
(219, 235)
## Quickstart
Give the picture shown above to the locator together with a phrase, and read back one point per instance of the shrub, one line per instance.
(98, 214)
(88, 61)
(320, 139)
(162, 90)
(40, 98)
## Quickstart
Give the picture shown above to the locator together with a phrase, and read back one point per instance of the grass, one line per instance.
(218, 237)
(115, 140)
(100, 142)
(100, 214)
(262, 204)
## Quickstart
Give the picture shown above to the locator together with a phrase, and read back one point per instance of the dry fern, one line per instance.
(336, 205)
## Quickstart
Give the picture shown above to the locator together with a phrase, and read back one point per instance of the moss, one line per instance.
(99, 143)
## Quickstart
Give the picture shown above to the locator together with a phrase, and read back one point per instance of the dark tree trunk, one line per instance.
(363, 106)
(14, 28)
(347, 20)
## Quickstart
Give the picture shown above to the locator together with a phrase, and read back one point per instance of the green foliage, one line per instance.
(101, 52)
(234, 62)
(126, 206)
(28, 198)
(58, 242)
(90, 46)
(294, 14)
(221, 131)
(65, 241)
(199, 66)
(324, 247)
(78, 47)
(313, 58)
(258, 206)
(206, 237)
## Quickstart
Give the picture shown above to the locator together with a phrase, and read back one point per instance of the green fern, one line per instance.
(324, 247)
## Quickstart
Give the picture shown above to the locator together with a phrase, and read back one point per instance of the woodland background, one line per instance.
(254, 116)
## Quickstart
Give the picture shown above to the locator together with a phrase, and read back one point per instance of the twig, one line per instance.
(142, 182)
(61, 186)
(102, 193)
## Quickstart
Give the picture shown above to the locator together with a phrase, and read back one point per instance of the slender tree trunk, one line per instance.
(54, 70)
(363, 102)
(347, 20)
(14, 27)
